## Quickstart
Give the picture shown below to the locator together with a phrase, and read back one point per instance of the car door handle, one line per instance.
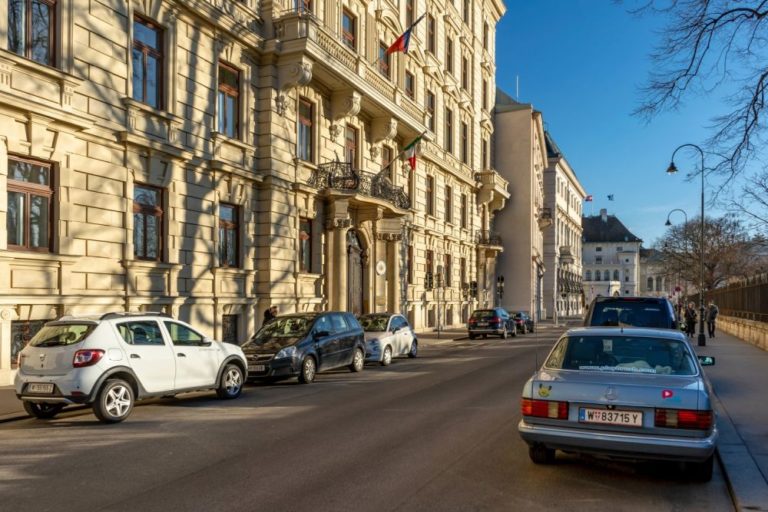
(135, 356)
(181, 354)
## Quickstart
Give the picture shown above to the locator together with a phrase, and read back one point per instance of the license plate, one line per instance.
(482, 324)
(258, 368)
(607, 417)
(36, 387)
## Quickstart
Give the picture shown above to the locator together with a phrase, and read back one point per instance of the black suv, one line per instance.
(523, 322)
(494, 321)
(304, 344)
(635, 311)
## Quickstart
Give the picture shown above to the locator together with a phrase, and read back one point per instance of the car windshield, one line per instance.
(484, 313)
(60, 335)
(625, 354)
(284, 327)
(634, 313)
(374, 323)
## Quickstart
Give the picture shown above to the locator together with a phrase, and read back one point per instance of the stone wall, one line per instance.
(751, 331)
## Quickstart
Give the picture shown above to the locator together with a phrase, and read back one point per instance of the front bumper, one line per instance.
(273, 368)
(619, 444)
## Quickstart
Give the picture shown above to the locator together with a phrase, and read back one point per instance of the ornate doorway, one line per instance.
(354, 273)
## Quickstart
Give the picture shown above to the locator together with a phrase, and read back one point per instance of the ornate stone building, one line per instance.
(563, 196)
(209, 158)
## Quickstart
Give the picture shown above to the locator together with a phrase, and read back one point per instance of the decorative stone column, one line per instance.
(393, 242)
(7, 315)
(336, 277)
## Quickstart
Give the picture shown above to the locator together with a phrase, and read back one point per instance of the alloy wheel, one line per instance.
(118, 401)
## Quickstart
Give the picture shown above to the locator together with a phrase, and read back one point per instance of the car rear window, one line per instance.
(623, 354)
(484, 313)
(639, 314)
(61, 335)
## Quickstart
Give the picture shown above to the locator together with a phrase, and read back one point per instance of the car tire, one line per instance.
(540, 454)
(701, 471)
(525, 330)
(386, 357)
(358, 361)
(42, 411)
(308, 370)
(230, 383)
(472, 336)
(414, 349)
(504, 333)
(114, 401)
(530, 329)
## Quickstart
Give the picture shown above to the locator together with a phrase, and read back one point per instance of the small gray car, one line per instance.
(388, 336)
(630, 393)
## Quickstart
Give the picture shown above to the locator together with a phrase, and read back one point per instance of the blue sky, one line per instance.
(581, 62)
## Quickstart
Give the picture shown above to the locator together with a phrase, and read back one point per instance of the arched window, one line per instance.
(597, 275)
(588, 276)
(615, 275)
(650, 284)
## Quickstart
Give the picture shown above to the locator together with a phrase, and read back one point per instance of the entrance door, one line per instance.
(354, 274)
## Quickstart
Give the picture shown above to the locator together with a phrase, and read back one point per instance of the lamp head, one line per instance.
(672, 169)
(667, 223)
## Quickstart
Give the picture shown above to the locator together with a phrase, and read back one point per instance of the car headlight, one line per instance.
(286, 353)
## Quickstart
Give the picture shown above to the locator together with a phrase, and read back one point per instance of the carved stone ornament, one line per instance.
(383, 128)
(295, 74)
(345, 104)
(375, 152)
(338, 223)
(334, 131)
(389, 237)
(281, 104)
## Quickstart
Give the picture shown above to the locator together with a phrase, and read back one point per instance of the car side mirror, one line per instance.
(207, 342)
(394, 329)
(321, 334)
(706, 360)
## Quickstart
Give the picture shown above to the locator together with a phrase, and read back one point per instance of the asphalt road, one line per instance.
(436, 433)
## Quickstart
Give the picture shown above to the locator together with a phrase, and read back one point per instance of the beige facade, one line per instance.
(521, 157)
(247, 171)
(563, 196)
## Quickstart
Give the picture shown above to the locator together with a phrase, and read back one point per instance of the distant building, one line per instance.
(611, 257)
(563, 196)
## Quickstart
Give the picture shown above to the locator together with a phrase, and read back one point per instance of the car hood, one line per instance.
(270, 346)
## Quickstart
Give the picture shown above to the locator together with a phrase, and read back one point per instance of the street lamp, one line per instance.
(685, 235)
(672, 169)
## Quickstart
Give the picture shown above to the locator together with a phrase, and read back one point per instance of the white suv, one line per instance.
(109, 361)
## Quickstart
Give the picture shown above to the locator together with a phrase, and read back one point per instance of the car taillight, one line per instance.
(473, 320)
(544, 408)
(495, 320)
(683, 418)
(86, 358)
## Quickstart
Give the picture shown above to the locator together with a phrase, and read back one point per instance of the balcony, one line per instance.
(341, 177)
(493, 189)
(488, 239)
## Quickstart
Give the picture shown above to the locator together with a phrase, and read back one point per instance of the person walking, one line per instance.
(712, 312)
(269, 314)
(690, 319)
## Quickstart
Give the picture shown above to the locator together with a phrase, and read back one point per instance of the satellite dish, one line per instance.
(381, 267)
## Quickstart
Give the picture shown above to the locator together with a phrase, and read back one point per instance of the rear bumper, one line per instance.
(620, 445)
(486, 330)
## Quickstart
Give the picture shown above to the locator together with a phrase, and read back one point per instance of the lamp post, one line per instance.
(685, 235)
(672, 169)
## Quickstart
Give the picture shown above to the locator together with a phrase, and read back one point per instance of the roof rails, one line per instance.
(123, 314)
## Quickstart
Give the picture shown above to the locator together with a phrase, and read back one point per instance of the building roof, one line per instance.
(650, 255)
(605, 228)
(552, 150)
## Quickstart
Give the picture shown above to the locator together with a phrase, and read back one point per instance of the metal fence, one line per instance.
(746, 299)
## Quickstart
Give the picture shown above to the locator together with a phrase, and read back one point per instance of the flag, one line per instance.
(402, 42)
(410, 151)
(610, 197)
(588, 198)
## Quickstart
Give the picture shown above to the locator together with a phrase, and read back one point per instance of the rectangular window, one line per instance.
(305, 245)
(465, 73)
(147, 62)
(229, 329)
(448, 269)
(30, 194)
(448, 204)
(598, 259)
(486, 155)
(449, 54)
(306, 130)
(147, 222)
(464, 143)
(410, 84)
(449, 130)
(430, 195)
(464, 211)
(32, 29)
(349, 29)
(387, 155)
(229, 101)
(431, 34)
(228, 235)
(350, 145)
(463, 270)
(486, 30)
(410, 264)
(598, 249)
(409, 12)
(430, 267)
(384, 60)
(485, 94)
(467, 11)
(430, 110)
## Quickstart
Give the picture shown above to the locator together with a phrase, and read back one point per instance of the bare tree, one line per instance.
(708, 45)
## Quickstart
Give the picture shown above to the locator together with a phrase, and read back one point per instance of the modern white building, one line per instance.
(610, 257)
(563, 196)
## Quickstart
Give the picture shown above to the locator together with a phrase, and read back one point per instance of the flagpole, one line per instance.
(394, 158)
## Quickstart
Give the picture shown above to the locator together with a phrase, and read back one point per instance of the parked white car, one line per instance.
(112, 360)
(388, 336)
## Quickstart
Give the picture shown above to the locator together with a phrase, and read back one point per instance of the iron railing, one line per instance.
(746, 299)
(488, 238)
(341, 176)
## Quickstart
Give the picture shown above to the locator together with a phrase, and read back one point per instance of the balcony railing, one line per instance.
(341, 176)
(488, 238)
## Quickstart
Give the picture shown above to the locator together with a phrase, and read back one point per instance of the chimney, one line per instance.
(604, 214)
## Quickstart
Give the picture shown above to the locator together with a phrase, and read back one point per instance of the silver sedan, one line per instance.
(388, 336)
(625, 393)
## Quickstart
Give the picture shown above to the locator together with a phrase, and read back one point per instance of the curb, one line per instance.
(745, 481)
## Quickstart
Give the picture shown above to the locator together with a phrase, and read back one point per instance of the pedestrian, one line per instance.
(269, 314)
(690, 319)
(712, 312)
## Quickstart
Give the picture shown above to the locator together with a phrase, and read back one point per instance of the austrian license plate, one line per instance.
(608, 417)
(482, 324)
(37, 387)
(258, 368)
